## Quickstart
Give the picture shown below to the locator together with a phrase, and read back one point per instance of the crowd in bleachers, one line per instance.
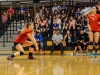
(71, 24)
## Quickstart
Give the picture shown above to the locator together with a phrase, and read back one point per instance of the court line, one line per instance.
(47, 67)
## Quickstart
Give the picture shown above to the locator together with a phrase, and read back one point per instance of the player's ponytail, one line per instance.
(27, 25)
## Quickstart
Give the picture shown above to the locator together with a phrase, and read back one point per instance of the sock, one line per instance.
(12, 56)
(96, 51)
(30, 54)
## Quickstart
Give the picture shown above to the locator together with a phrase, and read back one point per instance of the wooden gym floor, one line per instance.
(50, 65)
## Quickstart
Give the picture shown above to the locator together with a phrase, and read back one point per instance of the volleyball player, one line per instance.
(93, 30)
(21, 41)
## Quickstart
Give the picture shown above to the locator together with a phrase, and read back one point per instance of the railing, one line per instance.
(13, 25)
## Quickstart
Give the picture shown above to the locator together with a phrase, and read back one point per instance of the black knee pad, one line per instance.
(96, 44)
(91, 43)
(32, 46)
(21, 53)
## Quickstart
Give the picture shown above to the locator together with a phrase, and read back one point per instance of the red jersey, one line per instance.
(22, 36)
(93, 22)
(10, 11)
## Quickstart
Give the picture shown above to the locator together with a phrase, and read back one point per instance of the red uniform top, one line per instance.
(93, 22)
(22, 36)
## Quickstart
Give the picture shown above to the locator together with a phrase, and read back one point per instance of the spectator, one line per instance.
(58, 20)
(38, 38)
(83, 42)
(72, 23)
(54, 8)
(48, 33)
(42, 23)
(78, 12)
(20, 27)
(57, 41)
(63, 6)
(86, 30)
(71, 13)
(10, 12)
(36, 28)
(29, 17)
(21, 14)
(77, 6)
(71, 40)
(4, 19)
(65, 25)
(55, 26)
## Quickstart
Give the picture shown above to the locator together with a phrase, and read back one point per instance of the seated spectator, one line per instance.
(29, 18)
(42, 23)
(78, 21)
(20, 27)
(77, 31)
(38, 38)
(65, 25)
(47, 30)
(77, 6)
(54, 8)
(57, 42)
(36, 27)
(83, 42)
(21, 13)
(86, 30)
(78, 12)
(55, 26)
(72, 23)
(63, 15)
(71, 13)
(10, 12)
(63, 6)
(4, 19)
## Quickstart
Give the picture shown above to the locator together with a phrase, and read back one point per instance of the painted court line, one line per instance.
(46, 67)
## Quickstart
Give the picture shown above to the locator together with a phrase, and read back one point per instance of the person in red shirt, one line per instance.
(10, 12)
(93, 30)
(20, 42)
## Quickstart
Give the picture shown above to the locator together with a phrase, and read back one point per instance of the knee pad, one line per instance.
(91, 43)
(21, 53)
(96, 44)
(32, 46)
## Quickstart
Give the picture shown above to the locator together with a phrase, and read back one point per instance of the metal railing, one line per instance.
(13, 25)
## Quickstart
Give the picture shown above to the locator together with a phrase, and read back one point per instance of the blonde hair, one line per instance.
(27, 25)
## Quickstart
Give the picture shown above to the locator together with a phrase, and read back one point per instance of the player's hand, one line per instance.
(89, 29)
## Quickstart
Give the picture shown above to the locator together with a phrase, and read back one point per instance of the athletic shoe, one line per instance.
(91, 54)
(9, 58)
(95, 55)
(31, 57)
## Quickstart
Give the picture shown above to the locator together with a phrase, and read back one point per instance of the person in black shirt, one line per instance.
(83, 41)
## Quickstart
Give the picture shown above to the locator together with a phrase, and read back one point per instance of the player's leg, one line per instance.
(91, 43)
(96, 40)
(31, 48)
(20, 52)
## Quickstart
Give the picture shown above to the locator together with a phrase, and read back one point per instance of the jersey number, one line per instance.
(93, 19)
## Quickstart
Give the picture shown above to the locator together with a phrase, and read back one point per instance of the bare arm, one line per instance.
(65, 37)
(88, 24)
(32, 39)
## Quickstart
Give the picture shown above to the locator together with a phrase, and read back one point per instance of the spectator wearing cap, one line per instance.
(20, 27)
(57, 42)
(38, 38)
(86, 30)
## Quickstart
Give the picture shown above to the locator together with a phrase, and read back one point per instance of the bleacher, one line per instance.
(11, 32)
